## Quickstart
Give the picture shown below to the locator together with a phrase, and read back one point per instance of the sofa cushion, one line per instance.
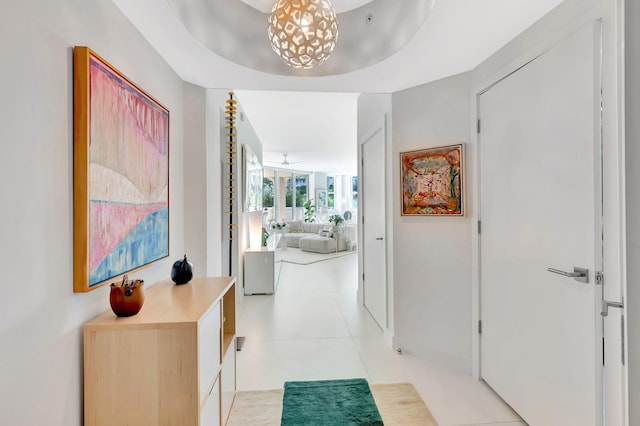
(293, 238)
(318, 244)
(295, 227)
(312, 227)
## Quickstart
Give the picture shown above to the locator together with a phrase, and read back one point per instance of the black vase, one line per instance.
(182, 271)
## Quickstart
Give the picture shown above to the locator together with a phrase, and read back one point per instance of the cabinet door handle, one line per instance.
(379, 238)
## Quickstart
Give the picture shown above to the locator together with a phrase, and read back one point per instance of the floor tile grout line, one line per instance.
(355, 345)
(353, 342)
(491, 423)
(304, 339)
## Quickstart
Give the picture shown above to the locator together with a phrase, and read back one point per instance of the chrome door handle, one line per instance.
(606, 304)
(578, 274)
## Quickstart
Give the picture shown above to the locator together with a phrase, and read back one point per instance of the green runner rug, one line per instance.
(329, 403)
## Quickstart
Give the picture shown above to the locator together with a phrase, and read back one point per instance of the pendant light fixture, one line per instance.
(303, 32)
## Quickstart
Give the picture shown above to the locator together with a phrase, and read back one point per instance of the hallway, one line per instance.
(313, 328)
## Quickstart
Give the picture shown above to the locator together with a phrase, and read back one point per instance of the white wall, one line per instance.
(246, 137)
(40, 331)
(215, 131)
(195, 177)
(203, 116)
(632, 136)
(435, 305)
(432, 279)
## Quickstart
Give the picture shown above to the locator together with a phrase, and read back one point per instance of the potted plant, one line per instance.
(279, 239)
(278, 226)
(336, 219)
(309, 211)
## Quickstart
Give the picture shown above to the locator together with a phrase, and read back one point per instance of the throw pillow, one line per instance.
(296, 227)
(324, 233)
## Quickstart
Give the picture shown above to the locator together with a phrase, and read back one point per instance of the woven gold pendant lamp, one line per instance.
(303, 32)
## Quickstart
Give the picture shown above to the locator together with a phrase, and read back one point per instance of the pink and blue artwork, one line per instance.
(128, 176)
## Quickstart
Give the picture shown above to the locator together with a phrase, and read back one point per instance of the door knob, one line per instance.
(578, 274)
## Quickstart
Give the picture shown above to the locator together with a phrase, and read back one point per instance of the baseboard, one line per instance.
(449, 361)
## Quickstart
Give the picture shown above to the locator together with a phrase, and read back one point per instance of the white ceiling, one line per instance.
(340, 6)
(317, 130)
(457, 36)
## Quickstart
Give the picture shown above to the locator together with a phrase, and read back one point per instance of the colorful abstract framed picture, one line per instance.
(120, 174)
(432, 181)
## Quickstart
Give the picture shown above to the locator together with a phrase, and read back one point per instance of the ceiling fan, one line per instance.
(285, 162)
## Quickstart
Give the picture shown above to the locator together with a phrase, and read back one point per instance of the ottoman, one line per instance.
(318, 244)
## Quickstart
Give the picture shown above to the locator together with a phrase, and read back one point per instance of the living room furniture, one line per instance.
(296, 230)
(171, 364)
(261, 271)
(318, 244)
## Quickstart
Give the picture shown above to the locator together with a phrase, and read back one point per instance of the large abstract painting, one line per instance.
(432, 181)
(121, 174)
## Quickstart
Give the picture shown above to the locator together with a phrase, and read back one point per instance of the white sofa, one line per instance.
(296, 230)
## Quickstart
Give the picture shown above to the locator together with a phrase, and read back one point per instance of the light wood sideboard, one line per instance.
(171, 364)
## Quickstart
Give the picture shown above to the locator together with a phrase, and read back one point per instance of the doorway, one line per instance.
(541, 240)
(374, 286)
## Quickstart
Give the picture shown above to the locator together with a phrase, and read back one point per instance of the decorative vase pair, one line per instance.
(127, 298)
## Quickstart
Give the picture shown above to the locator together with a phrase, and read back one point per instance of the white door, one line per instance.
(374, 259)
(540, 195)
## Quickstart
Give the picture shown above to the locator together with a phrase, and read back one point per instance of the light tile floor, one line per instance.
(313, 328)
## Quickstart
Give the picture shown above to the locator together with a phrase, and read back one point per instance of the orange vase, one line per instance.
(126, 300)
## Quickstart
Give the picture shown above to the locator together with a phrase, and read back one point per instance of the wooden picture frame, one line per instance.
(432, 181)
(120, 174)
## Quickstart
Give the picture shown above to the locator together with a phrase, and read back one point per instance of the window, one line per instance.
(288, 197)
(300, 191)
(331, 192)
(268, 190)
(302, 186)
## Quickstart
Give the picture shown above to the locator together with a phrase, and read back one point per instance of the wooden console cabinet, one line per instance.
(171, 364)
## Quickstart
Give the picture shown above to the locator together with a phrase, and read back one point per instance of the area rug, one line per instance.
(299, 257)
(398, 403)
(346, 402)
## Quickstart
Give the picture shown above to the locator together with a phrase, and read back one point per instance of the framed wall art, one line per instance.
(253, 180)
(120, 174)
(321, 199)
(432, 181)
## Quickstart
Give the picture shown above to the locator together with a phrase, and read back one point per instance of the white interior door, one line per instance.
(540, 163)
(373, 228)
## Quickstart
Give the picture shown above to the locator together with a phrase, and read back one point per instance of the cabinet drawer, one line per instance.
(210, 415)
(228, 380)
(208, 349)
